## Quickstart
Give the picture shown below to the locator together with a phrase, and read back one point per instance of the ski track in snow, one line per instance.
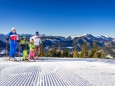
(53, 72)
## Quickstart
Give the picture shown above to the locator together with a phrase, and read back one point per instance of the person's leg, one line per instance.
(14, 49)
(25, 55)
(30, 55)
(33, 55)
(36, 51)
(11, 50)
(24, 52)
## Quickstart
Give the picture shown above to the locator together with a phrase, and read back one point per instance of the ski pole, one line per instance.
(41, 50)
(6, 47)
(19, 50)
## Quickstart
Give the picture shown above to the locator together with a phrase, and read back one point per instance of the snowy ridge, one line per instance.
(58, 72)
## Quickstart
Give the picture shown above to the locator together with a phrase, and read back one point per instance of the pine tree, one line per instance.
(62, 53)
(52, 53)
(84, 52)
(80, 55)
(102, 55)
(70, 54)
(75, 53)
(39, 53)
(96, 54)
(89, 53)
(66, 53)
(95, 50)
(58, 53)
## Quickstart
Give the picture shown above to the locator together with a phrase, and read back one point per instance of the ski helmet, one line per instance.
(24, 37)
(13, 28)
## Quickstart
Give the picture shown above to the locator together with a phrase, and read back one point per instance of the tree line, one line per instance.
(95, 52)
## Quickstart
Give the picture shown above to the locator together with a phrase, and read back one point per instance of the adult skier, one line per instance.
(13, 38)
(37, 43)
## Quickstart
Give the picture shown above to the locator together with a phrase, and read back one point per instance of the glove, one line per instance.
(18, 40)
(7, 39)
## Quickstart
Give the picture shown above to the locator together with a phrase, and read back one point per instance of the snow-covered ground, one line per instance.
(58, 72)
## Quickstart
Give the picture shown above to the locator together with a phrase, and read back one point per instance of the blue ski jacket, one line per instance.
(13, 37)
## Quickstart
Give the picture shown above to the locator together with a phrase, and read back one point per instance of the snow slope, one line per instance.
(58, 72)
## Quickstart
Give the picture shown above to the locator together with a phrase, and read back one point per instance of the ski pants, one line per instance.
(37, 48)
(13, 47)
(31, 55)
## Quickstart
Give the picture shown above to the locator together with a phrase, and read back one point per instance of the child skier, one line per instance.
(32, 51)
(24, 45)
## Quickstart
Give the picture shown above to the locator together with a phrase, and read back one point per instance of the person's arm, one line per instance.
(21, 43)
(18, 39)
(27, 45)
(8, 36)
(40, 41)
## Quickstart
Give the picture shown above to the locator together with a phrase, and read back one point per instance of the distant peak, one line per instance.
(87, 35)
(105, 36)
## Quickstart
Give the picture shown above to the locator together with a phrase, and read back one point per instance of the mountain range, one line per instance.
(68, 42)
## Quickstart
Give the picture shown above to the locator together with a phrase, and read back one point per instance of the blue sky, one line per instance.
(58, 17)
